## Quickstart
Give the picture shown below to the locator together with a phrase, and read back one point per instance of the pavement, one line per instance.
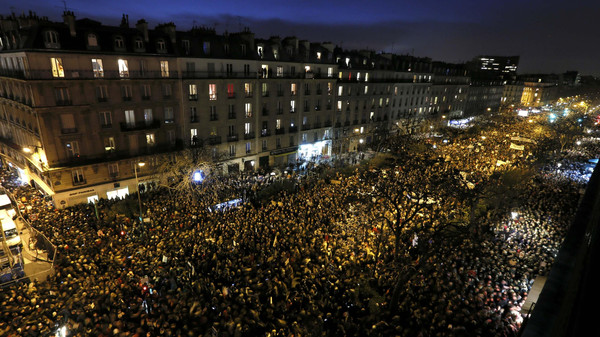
(36, 263)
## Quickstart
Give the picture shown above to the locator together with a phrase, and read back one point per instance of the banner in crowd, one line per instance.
(522, 139)
(517, 147)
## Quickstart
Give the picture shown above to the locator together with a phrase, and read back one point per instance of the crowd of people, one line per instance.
(316, 261)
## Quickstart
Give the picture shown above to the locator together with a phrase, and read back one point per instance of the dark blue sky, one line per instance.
(550, 36)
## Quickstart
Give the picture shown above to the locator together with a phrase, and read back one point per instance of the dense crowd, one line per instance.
(315, 261)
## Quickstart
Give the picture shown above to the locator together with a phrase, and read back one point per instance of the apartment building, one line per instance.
(82, 103)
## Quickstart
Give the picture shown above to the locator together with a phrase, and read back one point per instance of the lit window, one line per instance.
(212, 92)
(193, 91)
(318, 55)
(57, 67)
(150, 139)
(72, 149)
(248, 89)
(164, 68)
(92, 40)
(247, 128)
(248, 109)
(230, 91)
(366, 89)
(293, 89)
(123, 68)
(340, 90)
(193, 136)
(130, 118)
(168, 115)
(279, 71)
(259, 50)
(278, 124)
(113, 169)
(358, 76)
(161, 45)
(276, 54)
(329, 72)
(148, 118)
(109, 144)
(206, 47)
(292, 106)
(366, 77)
(97, 68)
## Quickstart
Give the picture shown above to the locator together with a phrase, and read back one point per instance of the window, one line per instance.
(72, 149)
(212, 92)
(119, 44)
(366, 89)
(329, 88)
(171, 137)
(161, 46)
(264, 145)
(146, 91)
(148, 118)
(248, 147)
(247, 128)
(304, 137)
(226, 48)
(138, 43)
(304, 120)
(113, 169)
(248, 109)
(57, 67)
(123, 68)
(329, 72)
(232, 150)
(193, 92)
(276, 54)
(278, 142)
(232, 130)
(150, 139)
(130, 118)
(193, 136)
(292, 106)
(97, 68)
(366, 77)
(259, 50)
(230, 91)
(167, 91)
(193, 114)
(293, 70)
(169, 115)
(62, 95)
(293, 89)
(126, 91)
(164, 68)
(229, 69)
(109, 144)
(246, 69)
(231, 111)
(143, 67)
(340, 90)
(51, 39)
(213, 113)
(248, 89)
(318, 55)
(278, 124)
(292, 140)
(92, 40)
(265, 90)
(186, 46)
(206, 47)
(78, 177)
(279, 72)
(105, 119)
(339, 106)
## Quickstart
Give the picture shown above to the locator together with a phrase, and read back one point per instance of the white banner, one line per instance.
(517, 147)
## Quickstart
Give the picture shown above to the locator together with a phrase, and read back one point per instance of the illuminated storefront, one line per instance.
(313, 150)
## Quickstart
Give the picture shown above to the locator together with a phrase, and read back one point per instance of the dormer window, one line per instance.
(51, 39)
(243, 50)
(186, 46)
(226, 48)
(138, 43)
(119, 44)
(276, 54)
(259, 49)
(290, 51)
(92, 40)
(161, 46)
(206, 47)
(318, 55)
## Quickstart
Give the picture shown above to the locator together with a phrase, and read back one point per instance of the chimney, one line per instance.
(142, 26)
(125, 21)
(69, 19)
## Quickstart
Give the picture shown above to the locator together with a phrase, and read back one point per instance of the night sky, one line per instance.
(550, 36)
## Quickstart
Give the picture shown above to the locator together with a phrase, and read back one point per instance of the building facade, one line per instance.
(81, 103)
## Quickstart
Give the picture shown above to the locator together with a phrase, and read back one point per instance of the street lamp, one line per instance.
(137, 185)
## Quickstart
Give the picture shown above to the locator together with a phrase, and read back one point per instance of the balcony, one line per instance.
(106, 126)
(213, 140)
(79, 182)
(280, 131)
(193, 97)
(78, 74)
(214, 118)
(249, 135)
(141, 125)
(232, 138)
(265, 133)
(102, 99)
(248, 94)
(293, 129)
(265, 94)
(145, 98)
(292, 110)
(64, 102)
(306, 127)
(231, 115)
(194, 119)
(126, 98)
(65, 131)
(317, 108)
(231, 95)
